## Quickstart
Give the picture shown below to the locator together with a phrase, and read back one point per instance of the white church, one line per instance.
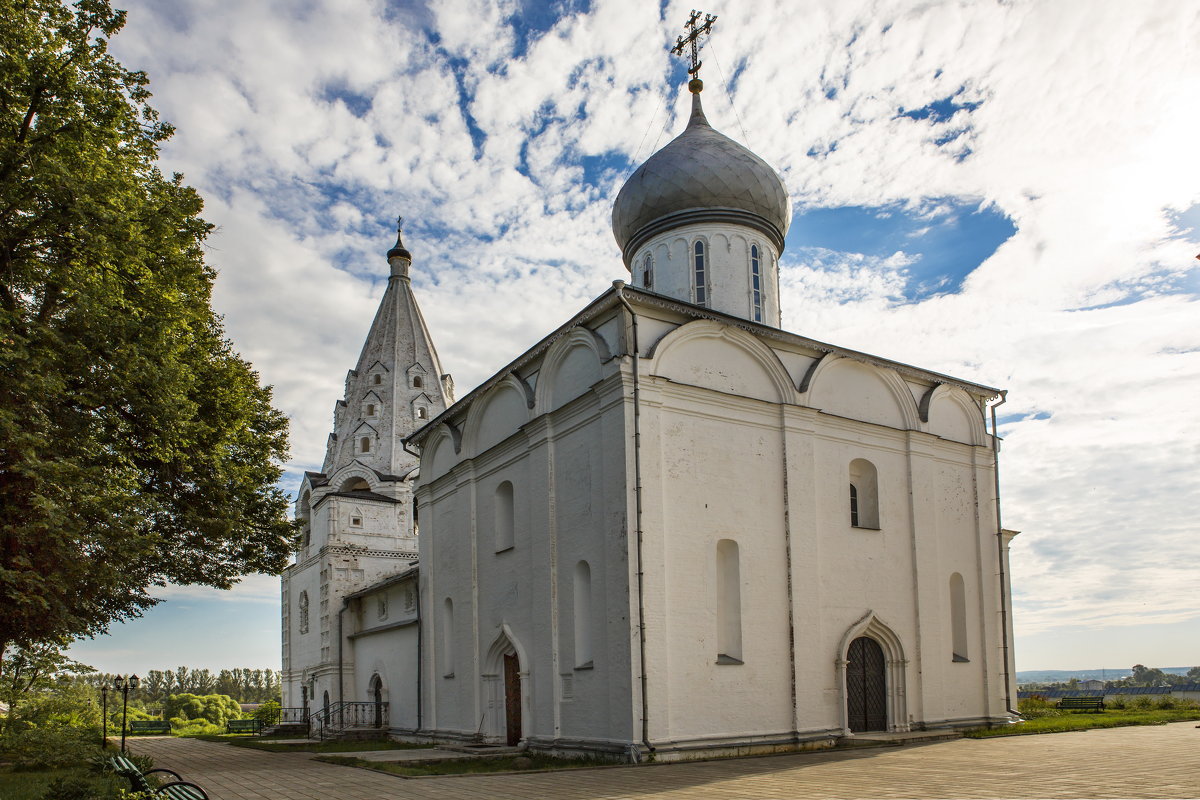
(669, 529)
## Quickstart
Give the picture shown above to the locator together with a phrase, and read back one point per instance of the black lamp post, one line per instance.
(104, 715)
(123, 685)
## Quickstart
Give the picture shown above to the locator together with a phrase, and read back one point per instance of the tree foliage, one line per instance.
(136, 447)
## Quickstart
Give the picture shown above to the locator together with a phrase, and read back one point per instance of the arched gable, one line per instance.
(571, 366)
(951, 415)
(497, 415)
(354, 471)
(718, 356)
(853, 389)
(439, 454)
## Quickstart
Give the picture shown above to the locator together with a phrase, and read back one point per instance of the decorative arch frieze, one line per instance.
(895, 665)
(479, 412)
(941, 394)
(354, 471)
(445, 439)
(821, 374)
(660, 355)
(576, 338)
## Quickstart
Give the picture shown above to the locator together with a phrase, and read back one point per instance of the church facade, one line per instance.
(668, 529)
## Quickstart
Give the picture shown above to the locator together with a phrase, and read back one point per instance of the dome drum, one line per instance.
(692, 216)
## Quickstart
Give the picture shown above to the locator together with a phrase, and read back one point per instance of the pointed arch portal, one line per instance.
(872, 668)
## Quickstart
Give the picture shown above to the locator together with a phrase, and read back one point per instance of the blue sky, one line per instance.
(1006, 192)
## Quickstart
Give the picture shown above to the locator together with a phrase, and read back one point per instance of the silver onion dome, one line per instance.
(700, 176)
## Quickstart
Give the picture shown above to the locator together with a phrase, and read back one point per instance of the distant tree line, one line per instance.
(243, 685)
(1140, 676)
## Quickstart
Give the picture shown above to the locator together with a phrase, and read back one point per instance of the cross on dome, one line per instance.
(692, 42)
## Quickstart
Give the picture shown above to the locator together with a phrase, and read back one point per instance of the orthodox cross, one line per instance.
(399, 224)
(692, 40)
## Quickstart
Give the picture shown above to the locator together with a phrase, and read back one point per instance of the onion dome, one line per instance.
(700, 176)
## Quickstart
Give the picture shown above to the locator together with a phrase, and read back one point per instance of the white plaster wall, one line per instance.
(567, 469)
(387, 646)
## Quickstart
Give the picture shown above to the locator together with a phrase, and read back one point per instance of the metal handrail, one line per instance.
(344, 715)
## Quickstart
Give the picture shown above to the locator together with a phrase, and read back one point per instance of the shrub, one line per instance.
(215, 708)
(268, 714)
(1036, 706)
(1141, 703)
(47, 748)
(71, 787)
(195, 727)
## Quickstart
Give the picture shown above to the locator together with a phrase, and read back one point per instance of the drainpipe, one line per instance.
(1000, 556)
(420, 657)
(637, 494)
(341, 660)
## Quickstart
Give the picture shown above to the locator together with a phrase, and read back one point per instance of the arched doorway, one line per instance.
(866, 686)
(377, 699)
(512, 699)
(506, 688)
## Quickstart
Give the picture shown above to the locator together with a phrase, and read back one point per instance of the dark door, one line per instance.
(377, 685)
(512, 699)
(866, 687)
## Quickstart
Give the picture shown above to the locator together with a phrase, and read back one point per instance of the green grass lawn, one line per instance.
(33, 785)
(303, 746)
(1082, 721)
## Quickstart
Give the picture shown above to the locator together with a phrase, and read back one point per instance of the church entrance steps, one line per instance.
(908, 737)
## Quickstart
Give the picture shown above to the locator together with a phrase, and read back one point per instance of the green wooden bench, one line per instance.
(1082, 703)
(177, 789)
(150, 726)
(243, 726)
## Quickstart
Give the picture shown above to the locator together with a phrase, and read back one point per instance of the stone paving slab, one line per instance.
(1160, 761)
(417, 754)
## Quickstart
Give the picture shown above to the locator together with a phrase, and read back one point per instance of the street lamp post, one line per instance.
(104, 714)
(123, 685)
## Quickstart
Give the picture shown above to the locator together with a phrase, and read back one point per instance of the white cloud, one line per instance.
(309, 128)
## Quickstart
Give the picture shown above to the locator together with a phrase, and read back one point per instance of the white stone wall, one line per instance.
(569, 505)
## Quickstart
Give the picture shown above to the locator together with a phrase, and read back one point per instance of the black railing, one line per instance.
(292, 716)
(344, 716)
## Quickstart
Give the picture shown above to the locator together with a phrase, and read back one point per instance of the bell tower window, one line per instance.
(648, 272)
(364, 444)
(418, 381)
(755, 284)
(699, 275)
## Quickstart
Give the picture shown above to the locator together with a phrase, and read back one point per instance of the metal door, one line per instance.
(866, 686)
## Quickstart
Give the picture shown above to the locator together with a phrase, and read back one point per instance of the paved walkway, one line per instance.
(1153, 762)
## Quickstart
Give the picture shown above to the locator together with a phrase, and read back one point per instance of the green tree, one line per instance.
(33, 683)
(1193, 674)
(216, 708)
(136, 447)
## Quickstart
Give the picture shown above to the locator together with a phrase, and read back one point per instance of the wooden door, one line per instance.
(866, 686)
(512, 699)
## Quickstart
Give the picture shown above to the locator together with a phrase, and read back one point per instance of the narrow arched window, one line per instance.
(503, 522)
(303, 609)
(583, 615)
(755, 284)
(448, 638)
(422, 413)
(364, 445)
(729, 603)
(418, 381)
(370, 409)
(700, 275)
(958, 618)
(864, 494)
(378, 379)
(648, 272)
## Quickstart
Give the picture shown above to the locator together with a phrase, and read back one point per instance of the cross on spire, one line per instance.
(399, 224)
(692, 41)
